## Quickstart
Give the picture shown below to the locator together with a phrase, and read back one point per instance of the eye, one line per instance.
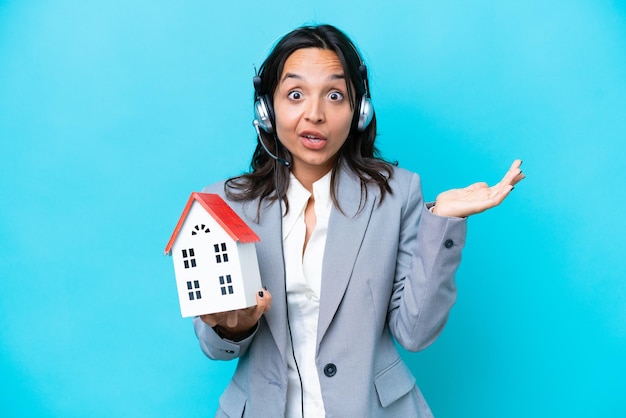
(335, 96)
(295, 95)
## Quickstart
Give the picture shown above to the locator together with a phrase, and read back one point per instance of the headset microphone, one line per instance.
(280, 160)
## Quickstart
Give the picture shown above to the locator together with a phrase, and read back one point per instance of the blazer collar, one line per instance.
(271, 265)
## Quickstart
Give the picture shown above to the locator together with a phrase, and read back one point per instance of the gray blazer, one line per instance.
(388, 273)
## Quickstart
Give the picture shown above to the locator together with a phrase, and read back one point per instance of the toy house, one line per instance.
(214, 257)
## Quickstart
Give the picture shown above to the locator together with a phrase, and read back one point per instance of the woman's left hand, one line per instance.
(477, 197)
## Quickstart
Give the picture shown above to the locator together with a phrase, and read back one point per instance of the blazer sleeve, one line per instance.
(429, 255)
(217, 348)
(212, 345)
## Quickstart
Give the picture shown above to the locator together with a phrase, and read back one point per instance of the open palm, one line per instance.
(477, 197)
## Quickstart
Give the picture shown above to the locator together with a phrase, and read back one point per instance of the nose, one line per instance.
(314, 111)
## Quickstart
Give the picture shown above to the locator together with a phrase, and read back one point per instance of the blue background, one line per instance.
(112, 112)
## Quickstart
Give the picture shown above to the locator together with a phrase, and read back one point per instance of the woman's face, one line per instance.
(312, 110)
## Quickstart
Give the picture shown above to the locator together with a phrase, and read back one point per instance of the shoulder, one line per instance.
(247, 209)
(396, 176)
(217, 188)
(405, 183)
(402, 176)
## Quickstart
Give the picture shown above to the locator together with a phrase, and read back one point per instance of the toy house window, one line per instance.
(188, 258)
(226, 285)
(194, 290)
(200, 228)
(220, 253)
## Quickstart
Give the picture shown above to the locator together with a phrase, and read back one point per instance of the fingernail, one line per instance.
(260, 293)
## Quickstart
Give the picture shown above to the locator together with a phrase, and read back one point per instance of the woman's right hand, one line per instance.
(237, 325)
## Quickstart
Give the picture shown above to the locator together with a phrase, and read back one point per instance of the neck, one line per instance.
(308, 177)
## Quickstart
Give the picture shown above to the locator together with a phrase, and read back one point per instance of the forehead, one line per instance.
(311, 61)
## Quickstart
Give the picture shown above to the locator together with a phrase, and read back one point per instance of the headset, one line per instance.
(264, 112)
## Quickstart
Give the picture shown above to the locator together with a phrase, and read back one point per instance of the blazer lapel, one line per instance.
(345, 235)
(270, 256)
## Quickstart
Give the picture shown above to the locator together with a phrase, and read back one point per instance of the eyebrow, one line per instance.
(299, 77)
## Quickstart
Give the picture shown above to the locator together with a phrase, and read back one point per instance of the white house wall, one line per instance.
(250, 271)
(215, 294)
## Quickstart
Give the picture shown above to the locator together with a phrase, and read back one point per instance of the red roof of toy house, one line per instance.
(222, 213)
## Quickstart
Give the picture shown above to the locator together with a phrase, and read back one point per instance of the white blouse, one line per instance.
(304, 277)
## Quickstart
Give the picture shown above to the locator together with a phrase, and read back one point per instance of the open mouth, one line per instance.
(312, 138)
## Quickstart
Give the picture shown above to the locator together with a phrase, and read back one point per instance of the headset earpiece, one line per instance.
(365, 111)
(263, 112)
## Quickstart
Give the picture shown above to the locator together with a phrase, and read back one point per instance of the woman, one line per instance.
(350, 256)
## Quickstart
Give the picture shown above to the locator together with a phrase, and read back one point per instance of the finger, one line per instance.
(232, 319)
(500, 191)
(518, 178)
(477, 186)
(512, 176)
(513, 171)
(263, 302)
(212, 319)
(505, 187)
(254, 313)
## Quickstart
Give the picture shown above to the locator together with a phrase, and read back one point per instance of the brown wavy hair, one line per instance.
(269, 179)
